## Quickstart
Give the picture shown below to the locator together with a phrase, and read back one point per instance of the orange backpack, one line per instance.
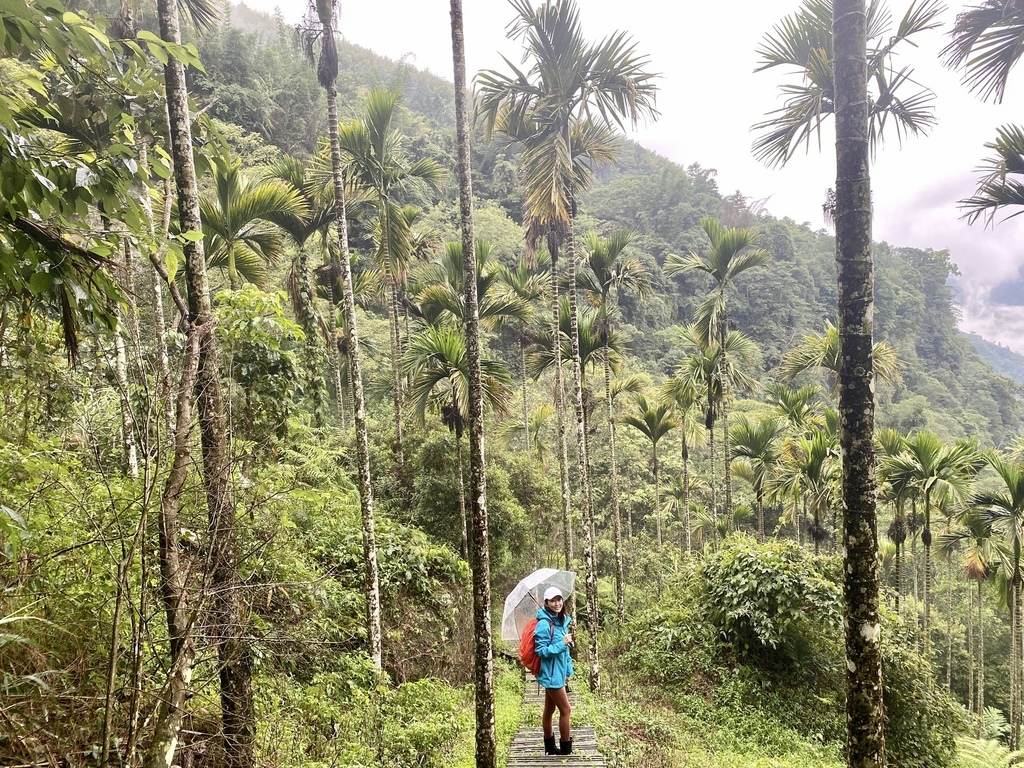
(527, 650)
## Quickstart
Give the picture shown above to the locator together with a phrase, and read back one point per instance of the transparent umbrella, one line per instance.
(522, 602)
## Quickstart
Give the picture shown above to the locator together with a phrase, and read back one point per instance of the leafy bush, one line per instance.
(921, 719)
(757, 594)
(350, 717)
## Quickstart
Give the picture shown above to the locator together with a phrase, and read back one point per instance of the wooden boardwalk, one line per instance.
(527, 749)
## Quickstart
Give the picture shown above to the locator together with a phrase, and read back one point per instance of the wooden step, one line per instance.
(527, 749)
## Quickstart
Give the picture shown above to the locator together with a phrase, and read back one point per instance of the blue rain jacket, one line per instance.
(555, 661)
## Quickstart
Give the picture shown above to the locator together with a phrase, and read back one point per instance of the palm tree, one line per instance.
(375, 162)
(733, 252)
(827, 42)
(528, 284)
(986, 43)
(810, 470)
(1003, 510)
(536, 425)
(801, 410)
(935, 470)
(440, 291)
(238, 218)
(975, 531)
(327, 73)
(710, 368)
(803, 42)
(486, 738)
(684, 396)
(570, 85)
(301, 291)
(821, 350)
(608, 274)
(797, 406)
(653, 421)
(439, 366)
(627, 385)
(757, 447)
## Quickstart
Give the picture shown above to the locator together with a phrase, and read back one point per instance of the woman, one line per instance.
(552, 641)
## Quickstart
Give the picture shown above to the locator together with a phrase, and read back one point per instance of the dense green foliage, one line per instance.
(729, 655)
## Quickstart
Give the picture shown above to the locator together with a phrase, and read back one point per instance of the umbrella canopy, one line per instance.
(522, 602)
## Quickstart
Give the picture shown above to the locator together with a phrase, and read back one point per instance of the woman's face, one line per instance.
(555, 604)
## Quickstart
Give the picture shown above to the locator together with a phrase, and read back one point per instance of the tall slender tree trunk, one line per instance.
(714, 490)
(563, 447)
(128, 425)
(1015, 695)
(724, 383)
(926, 539)
(229, 618)
(522, 369)
(620, 575)
(171, 711)
(462, 496)
(865, 715)
(686, 491)
(949, 621)
(657, 494)
(969, 639)
(486, 738)
(798, 519)
(981, 660)
(586, 495)
(899, 574)
(313, 349)
(759, 493)
(328, 75)
(396, 374)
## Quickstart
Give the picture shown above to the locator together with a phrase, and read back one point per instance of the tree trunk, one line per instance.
(926, 537)
(586, 496)
(167, 728)
(228, 615)
(981, 661)
(486, 737)
(371, 581)
(969, 639)
(313, 349)
(522, 368)
(726, 461)
(462, 497)
(396, 373)
(1015, 696)
(714, 493)
(899, 576)
(620, 574)
(686, 490)
(128, 427)
(865, 716)
(759, 493)
(949, 622)
(563, 448)
(657, 494)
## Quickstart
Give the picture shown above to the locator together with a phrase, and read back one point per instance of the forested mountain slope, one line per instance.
(145, 518)
(256, 79)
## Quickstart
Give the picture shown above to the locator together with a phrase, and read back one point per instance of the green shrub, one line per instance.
(757, 595)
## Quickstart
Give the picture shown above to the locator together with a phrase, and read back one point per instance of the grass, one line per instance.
(508, 714)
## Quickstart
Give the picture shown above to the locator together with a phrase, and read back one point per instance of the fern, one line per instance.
(985, 753)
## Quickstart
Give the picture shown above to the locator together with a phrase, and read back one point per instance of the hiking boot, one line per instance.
(565, 747)
(549, 746)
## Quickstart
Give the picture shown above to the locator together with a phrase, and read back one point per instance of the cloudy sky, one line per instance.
(709, 97)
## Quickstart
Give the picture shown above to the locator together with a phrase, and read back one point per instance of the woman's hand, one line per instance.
(567, 639)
